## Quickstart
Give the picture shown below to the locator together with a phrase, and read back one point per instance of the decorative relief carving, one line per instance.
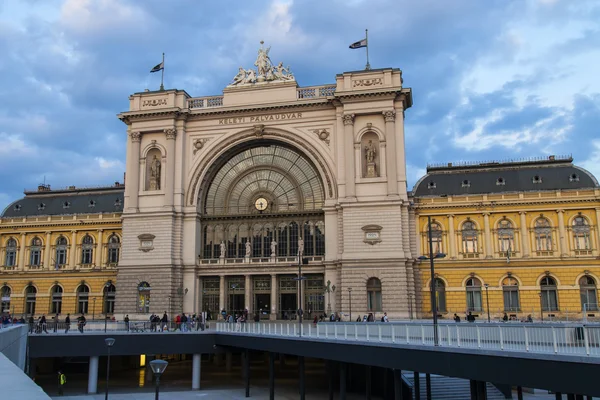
(171, 133)
(348, 119)
(199, 144)
(154, 102)
(368, 82)
(146, 242)
(389, 116)
(259, 130)
(372, 234)
(135, 136)
(323, 134)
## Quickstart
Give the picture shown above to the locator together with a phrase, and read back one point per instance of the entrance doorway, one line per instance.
(262, 304)
(288, 307)
(236, 304)
(236, 289)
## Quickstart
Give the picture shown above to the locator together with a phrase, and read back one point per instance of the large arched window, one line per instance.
(374, 295)
(35, 252)
(11, 253)
(581, 235)
(549, 294)
(474, 294)
(5, 299)
(543, 235)
(510, 293)
(143, 297)
(30, 295)
(589, 297)
(469, 238)
(440, 293)
(87, 250)
(56, 300)
(61, 252)
(83, 299)
(110, 292)
(506, 237)
(114, 246)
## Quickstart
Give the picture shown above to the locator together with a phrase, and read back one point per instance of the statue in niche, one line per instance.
(155, 174)
(248, 249)
(273, 248)
(300, 247)
(223, 249)
(370, 153)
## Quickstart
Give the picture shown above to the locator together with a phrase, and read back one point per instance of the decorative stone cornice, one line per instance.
(171, 133)
(348, 119)
(389, 116)
(135, 136)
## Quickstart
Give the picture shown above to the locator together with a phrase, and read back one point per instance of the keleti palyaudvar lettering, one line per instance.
(259, 118)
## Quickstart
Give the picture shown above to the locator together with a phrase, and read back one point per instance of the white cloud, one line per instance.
(14, 146)
(92, 16)
(110, 164)
(592, 163)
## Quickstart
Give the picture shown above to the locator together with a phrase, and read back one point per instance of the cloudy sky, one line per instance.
(493, 79)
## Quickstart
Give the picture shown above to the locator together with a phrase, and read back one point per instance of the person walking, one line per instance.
(56, 323)
(43, 324)
(126, 322)
(456, 318)
(385, 317)
(67, 323)
(165, 322)
(505, 317)
(62, 380)
(81, 323)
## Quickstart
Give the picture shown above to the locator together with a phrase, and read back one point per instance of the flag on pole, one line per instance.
(158, 67)
(359, 44)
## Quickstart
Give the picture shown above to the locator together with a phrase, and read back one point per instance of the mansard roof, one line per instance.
(551, 173)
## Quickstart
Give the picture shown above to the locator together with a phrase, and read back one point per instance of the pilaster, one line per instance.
(452, 237)
(390, 137)
(562, 240)
(171, 135)
(524, 235)
(488, 236)
(349, 154)
(22, 251)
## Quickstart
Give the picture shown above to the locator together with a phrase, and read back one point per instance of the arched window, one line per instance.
(506, 237)
(543, 235)
(5, 299)
(87, 250)
(35, 252)
(83, 297)
(144, 297)
(30, 294)
(436, 238)
(56, 305)
(374, 295)
(440, 293)
(510, 292)
(549, 295)
(473, 294)
(110, 292)
(61, 252)
(11, 253)
(581, 234)
(469, 238)
(114, 246)
(589, 298)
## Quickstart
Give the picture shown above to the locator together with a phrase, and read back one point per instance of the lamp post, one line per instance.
(329, 289)
(487, 300)
(350, 302)
(158, 367)
(109, 343)
(106, 286)
(93, 308)
(300, 300)
(432, 283)
(541, 306)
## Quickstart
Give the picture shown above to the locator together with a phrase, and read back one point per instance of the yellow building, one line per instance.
(59, 251)
(522, 235)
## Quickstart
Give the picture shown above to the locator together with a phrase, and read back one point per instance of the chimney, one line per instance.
(42, 187)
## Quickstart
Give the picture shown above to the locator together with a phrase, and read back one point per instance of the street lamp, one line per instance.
(109, 343)
(329, 289)
(487, 299)
(350, 301)
(541, 306)
(106, 286)
(93, 308)
(158, 367)
(432, 283)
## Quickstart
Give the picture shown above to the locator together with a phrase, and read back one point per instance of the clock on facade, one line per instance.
(261, 204)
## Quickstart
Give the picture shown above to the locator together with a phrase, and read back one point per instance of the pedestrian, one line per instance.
(385, 317)
(43, 324)
(67, 323)
(315, 320)
(165, 322)
(256, 318)
(456, 318)
(81, 323)
(470, 317)
(31, 324)
(178, 322)
(184, 321)
(505, 317)
(529, 319)
(56, 323)
(126, 322)
(62, 380)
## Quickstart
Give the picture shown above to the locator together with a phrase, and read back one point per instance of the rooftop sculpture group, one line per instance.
(265, 70)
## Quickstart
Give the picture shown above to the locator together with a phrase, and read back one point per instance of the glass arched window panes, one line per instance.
(87, 250)
(114, 247)
(56, 301)
(474, 295)
(589, 296)
(506, 237)
(5, 299)
(35, 252)
(61, 253)
(436, 238)
(11, 253)
(543, 235)
(440, 293)
(110, 292)
(143, 297)
(83, 299)
(469, 238)
(549, 294)
(510, 293)
(581, 234)
(374, 295)
(30, 295)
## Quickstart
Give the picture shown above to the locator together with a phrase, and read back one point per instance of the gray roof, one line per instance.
(503, 177)
(68, 202)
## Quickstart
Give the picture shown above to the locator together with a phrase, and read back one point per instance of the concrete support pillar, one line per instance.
(247, 372)
(73, 254)
(93, 375)
(196, 365)
(47, 251)
(271, 376)
(428, 386)
(524, 235)
(133, 178)
(398, 384)
(302, 382)
(228, 357)
(248, 295)
(22, 251)
(329, 367)
(390, 137)
(273, 297)
(99, 249)
(562, 232)
(221, 294)
(343, 383)
(170, 171)
(417, 386)
(368, 382)
(349, 154)
(149, 373)
(451, 237)
(488, 251)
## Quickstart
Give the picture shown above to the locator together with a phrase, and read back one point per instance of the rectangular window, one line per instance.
(61, 257)
(511, 299)
(56, 307)
(34, 259)
(474, 300)
(86, 256)
(11, 257)
(549, 300)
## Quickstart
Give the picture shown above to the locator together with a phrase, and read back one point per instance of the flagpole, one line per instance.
(162, 77)
(368, 66)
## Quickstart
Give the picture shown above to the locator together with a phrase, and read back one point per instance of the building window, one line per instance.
(543, 235)
(5, 299)
(35, 252)
(474, 294)
(500, 181)
(440, 294)
(11, 253)
(61, 252)
(431, 185)
(469, 237)
(114, 246)
(30, 294)
(436, 238)
(510, 293)
(56, 305)
(87, 250)
(581, 234)
(466, 183)
(374, 295)
(110, 292)
(589, 297)
(506, 236)
(83, 296)
(549, 296)
(574, 178)
(144, 297)
(537, 179)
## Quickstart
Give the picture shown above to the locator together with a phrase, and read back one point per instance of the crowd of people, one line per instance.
(505, 318)
(182, 322)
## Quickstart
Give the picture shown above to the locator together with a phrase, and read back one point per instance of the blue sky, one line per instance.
(493, 79)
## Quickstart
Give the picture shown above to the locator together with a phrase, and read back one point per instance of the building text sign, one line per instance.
(260, 118)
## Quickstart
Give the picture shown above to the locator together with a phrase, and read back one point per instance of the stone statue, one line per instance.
(155, 174)
(265, 70)
(300, 247)
(223, 249)
(282, 73)
(248, 249)
(263, 62)
(370, 152)
(240, 77)
(273, 248)
(251, 78)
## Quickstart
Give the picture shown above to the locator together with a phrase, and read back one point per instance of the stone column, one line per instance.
(99, 249)
(349, 154)
(93, 375)
(562, 240)
(73, 254)
(248, 294)
(47, 251)
(452, 237)
(489, 252)
(196, 363)
(390, 137)
(597, 229)
(170, 171)
(221, 294)
(273, 297)
(22, 251)
(133, 181)
(524, 235)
